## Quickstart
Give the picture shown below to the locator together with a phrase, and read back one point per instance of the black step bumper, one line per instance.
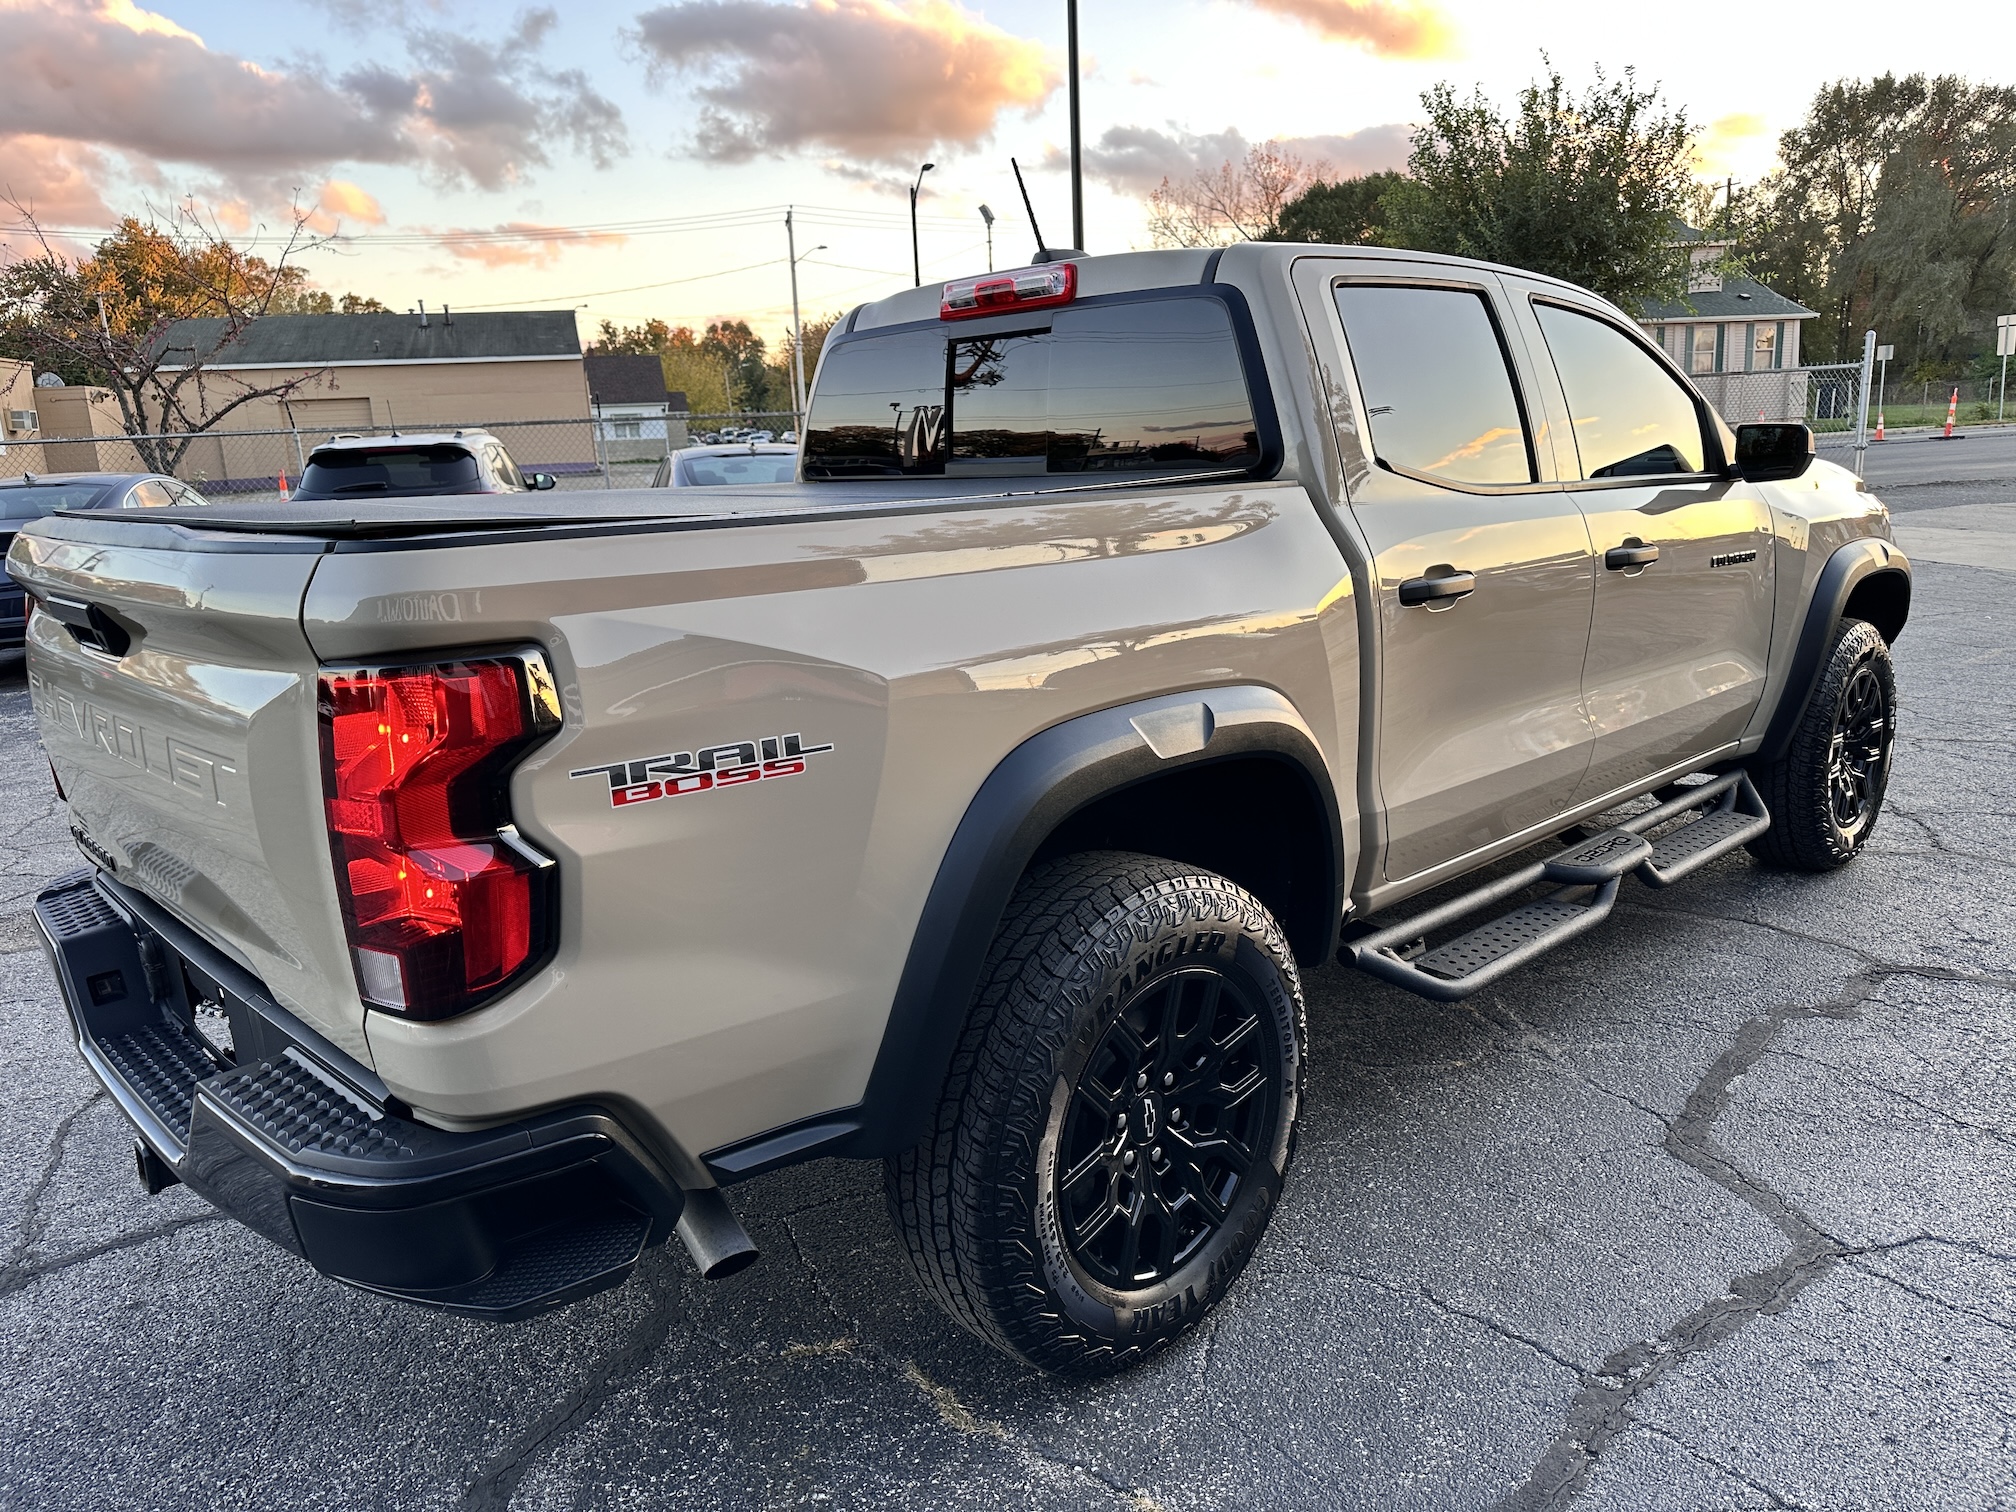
(297, 1140)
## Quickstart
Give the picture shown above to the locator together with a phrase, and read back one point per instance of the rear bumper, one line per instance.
(298, 1141)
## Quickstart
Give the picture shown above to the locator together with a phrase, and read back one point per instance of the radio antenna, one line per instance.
(1041, 249)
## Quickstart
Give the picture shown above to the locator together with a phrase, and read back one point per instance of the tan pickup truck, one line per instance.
(479, 888)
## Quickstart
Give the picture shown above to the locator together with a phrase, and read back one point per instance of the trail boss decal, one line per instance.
(719, 766)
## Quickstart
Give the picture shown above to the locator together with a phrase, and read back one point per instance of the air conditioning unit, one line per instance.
(23, 422)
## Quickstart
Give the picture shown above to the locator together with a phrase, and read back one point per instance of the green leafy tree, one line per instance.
(1587, 187)
(1894, 210)
(1348, 213)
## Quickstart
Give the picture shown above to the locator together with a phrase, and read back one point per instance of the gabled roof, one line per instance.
(312, 340)
(625, 379)
(1739, 299)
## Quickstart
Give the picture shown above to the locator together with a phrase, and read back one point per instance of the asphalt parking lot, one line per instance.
(1712, 1210)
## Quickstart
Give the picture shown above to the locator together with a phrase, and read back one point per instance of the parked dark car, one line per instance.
(34, 495)
(742, 462)
(414, 467)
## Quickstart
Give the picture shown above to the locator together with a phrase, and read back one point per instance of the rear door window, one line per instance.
(1440, 398)
(1631, 417)
(152, 494)
(1153, 385)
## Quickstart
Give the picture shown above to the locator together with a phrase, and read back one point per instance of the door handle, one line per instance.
(1630, 554)
(1447, 584)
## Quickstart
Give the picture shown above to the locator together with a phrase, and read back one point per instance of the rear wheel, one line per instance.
(1119, 1115)
(1826, 792)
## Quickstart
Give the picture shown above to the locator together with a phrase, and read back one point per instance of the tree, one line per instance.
(1348, 213)
(1233, 202)
(1587, 188)
(1894, 210)
(107, 319)
(308, 301)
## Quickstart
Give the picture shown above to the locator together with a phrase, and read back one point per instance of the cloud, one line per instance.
(1135, 159)
(871, 79)
(522, 244)
(342, 201)
(1386, 28)
(106, 75)
(56, 181)
(1730, 143)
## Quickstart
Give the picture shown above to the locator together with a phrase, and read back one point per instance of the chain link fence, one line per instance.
(252, 464)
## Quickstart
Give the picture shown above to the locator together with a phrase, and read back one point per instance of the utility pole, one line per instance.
(797, 326)
(1077, 175)
(797, 331)
(916, 262)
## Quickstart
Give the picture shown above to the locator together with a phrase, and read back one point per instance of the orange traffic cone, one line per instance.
(1879, 425)
(1952, 409)
(283, 488)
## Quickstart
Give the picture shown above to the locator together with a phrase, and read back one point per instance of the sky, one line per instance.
(636, 160)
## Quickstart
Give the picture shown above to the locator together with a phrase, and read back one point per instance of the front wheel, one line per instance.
(1119, 1115)
(1825, 793)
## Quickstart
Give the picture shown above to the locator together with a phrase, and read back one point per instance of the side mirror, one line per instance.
(1772, 453)
(542, 481)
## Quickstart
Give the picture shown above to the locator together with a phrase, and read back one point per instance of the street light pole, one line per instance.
(1077, 177)
(916, 262)
(988, 216)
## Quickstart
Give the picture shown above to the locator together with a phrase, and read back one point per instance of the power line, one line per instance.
(724, 220)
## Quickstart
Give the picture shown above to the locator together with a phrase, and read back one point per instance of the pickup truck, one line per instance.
(477, 889)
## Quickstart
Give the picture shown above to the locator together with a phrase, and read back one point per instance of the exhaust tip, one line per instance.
(718, 1243)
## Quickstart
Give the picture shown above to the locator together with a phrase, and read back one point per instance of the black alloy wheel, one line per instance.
(1858, 757)
(1119, 1116)
(1165, 1123)
(1825, 792)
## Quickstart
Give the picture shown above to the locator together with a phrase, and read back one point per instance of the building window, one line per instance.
(1763, 346)
(627, 430)
(1703, 358)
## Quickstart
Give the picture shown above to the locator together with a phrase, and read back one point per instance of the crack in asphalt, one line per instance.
(1775, 1501)
(29, 1228)
(19, 1277)
(1933, 1297)
(1600, 1413)
(498, 1481)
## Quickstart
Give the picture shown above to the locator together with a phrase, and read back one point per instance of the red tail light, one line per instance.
(1021, 289)
(444, 904)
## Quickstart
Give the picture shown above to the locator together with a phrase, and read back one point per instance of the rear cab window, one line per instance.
(1441, 401)
(389, 469)
(1152, 384)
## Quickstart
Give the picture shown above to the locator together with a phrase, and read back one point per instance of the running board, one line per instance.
(1587, 877)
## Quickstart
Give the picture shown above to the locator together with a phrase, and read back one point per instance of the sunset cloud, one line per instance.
(1135, 159)
(522, 244)
(871, 79)
(1386, 28)
(1733, 144)
(108, 77)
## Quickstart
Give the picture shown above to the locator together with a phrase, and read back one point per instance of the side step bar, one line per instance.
(1588, 875)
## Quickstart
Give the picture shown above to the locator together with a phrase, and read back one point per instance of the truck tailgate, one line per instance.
(191, 758)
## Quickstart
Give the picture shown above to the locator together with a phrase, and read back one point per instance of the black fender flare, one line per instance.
(1035, 787)
(1849, 566)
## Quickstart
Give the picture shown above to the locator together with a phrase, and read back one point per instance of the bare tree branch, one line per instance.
(111, 319)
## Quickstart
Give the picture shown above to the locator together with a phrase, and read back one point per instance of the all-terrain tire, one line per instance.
(1082, 1225)
(1827, 790)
